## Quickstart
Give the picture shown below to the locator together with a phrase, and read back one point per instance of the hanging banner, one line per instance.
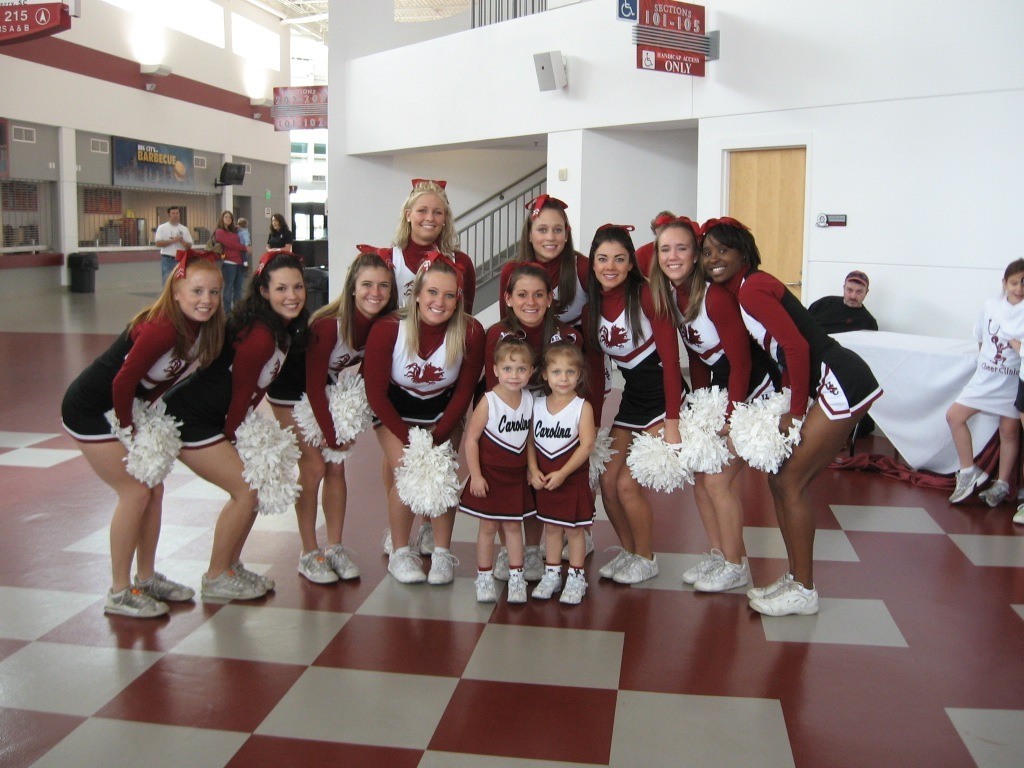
(671, 37)
(299, 108)
(19, 23)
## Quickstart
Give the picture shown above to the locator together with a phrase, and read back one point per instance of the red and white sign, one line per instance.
(19, 23)
(667, 31)
(665, 60)
(300, 108)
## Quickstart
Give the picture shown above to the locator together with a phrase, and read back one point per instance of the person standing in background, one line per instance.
(170, 237)
(280, 236)
(245, 239)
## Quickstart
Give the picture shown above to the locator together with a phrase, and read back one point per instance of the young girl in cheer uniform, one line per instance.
(620, 321)
(992, 389)
(422, 365)
(213, 402)
(719, 352)
(813, 366)
(498, 492)
(185, 325)
(561, 440)
(529, 315)
(335, 341)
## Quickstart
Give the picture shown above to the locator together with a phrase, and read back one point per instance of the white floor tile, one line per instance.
(197, 489)
(828, 545)
(994, 737)
(361, 707)
(998, 551)
(103, 743)
(513, 654)
(451, 602)
(885, 519)
(24, 439)
(31, 613)
(461, 760)
(672, 730)
(41, 458)
(264, 633)
(69, 679)
(839, 620)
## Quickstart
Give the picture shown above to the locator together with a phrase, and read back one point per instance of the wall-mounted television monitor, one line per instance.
(231, 173)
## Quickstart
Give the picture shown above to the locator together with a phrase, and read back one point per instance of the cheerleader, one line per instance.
(335, 341)
(620, 321)
(561, 441)
(838, 383)
(992, 389)
(497, 492)
(719, 352)
(546, 239)
(422, 365)
(529, 315)
(426, 223)
(213, 402)
(184, 325)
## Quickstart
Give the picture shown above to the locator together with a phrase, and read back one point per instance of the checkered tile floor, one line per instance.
(916, 658)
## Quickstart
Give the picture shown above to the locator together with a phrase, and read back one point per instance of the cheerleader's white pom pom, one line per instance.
(350, 413)
(655, 464)
(152, 446)
(269, 456)
(701, 420)
(427, 479)
(755, 432)
(600, 456)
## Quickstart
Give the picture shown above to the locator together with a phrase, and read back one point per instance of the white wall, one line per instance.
(910, 111)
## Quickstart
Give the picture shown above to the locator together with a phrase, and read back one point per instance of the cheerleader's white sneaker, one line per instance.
(792, 598)
(711, 559)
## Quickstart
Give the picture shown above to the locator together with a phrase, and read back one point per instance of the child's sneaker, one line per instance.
(135, 603)
(575, 589)
(485, 592)
(501, 565)
(549, 585)
(159, 587)
(516, 587)
(995, 493)
(967, 481)
(533, 563)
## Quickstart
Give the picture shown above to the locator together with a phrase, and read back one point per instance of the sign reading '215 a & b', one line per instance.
(27, 22)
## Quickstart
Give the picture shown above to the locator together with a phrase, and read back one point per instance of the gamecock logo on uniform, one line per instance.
(693, 336)
(613, 337)
(427, 374)
(174, 368)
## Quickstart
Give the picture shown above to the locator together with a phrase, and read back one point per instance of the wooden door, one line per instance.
(766, 192)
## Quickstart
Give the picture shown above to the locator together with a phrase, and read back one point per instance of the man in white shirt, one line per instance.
(171, 236)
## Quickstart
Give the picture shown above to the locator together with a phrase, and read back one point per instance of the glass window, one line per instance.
(319, 149)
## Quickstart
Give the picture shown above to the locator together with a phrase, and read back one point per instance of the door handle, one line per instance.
(797, 284)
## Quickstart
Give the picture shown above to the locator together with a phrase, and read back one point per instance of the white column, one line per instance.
(67, 197)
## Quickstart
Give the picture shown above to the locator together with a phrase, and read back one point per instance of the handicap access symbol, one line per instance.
(628, 9)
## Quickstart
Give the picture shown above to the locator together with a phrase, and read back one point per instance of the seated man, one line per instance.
(837, 314)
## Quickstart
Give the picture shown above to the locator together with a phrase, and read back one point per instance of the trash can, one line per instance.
(317, 288)
(83, 268)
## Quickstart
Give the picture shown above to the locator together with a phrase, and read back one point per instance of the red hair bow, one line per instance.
(664, 221)
(386, 254)
(440, 182)
(536, 205)
(266, 257)
(627, 227)
(184, 257)
(432, 257)
(727, 220)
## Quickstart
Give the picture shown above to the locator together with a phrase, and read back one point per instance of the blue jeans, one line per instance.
(234, 283)
(167, 265)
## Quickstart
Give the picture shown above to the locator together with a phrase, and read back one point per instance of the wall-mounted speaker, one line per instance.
(550, 68)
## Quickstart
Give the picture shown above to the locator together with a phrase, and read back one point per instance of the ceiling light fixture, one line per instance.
(159, 70)
(428, 10)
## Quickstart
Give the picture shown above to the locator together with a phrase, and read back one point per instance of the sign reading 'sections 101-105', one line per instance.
(669, 37)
